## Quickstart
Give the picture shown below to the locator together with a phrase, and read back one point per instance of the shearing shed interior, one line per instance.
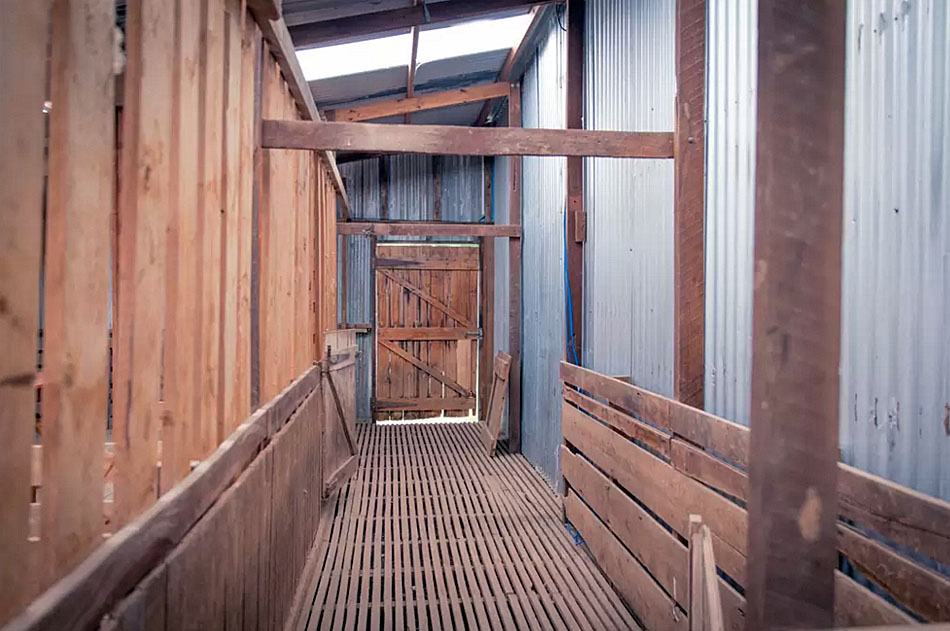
(454, 314)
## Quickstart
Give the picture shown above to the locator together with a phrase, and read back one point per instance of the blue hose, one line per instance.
(569, 300)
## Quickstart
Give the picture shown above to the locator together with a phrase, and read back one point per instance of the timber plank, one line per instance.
(420, 103)
(76, 283)
(464, 141)
(141, 241)
(23, 46)
(426, 229)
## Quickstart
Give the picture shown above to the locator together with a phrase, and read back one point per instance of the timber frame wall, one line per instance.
(221, 260)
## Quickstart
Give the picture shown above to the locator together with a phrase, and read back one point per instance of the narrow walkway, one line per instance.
(433, 534)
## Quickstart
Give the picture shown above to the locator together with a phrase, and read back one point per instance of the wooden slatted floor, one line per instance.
(433, 534)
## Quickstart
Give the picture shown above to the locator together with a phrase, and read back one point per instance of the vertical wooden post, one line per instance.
(576, 224)
(23, 40)
(374, 321)
(796, 325)
(688, 206)
(76, 346)
(514, 280)
(146, 171)
(488, 292)
(260, 55)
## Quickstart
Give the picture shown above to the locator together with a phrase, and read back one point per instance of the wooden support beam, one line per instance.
(793, 465)
(514, 280)
(411, 74)
(464, 141)
(688, 205)
(421, 103)
(576, 222)
(318, 33)
(426, 229)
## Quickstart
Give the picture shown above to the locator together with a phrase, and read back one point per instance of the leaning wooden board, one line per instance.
(496, 401)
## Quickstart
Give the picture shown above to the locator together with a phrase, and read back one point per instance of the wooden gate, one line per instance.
(426, 330)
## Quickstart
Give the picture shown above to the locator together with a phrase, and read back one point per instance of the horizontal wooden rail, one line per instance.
(426, 229)
(419, 103)
(464, 141)
(671, 457)
(83, 596)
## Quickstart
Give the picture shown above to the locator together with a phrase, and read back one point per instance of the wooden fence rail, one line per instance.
(637, 464)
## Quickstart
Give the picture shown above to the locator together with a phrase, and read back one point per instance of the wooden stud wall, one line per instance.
(159, 199)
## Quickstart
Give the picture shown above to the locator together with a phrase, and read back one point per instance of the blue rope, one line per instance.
(569, 299)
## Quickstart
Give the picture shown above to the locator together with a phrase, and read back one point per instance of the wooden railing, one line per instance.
(229, 543)
(636, 465)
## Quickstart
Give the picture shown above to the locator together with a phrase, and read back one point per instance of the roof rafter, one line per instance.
(431, 101)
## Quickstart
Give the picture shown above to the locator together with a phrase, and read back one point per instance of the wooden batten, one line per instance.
(426, 229)
(421, 103)
(466, 141)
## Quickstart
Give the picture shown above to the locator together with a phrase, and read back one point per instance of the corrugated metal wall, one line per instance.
(895, 345)
(411, 197)
(730, 204)
(895, 371)
(628, 286)
(544, 198)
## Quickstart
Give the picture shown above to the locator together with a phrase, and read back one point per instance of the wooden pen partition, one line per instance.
(160, 274)
(636, 465)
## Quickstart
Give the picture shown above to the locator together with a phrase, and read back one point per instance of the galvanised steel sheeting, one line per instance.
(731, 34)
(544, 197)
(628, 276)
(895, 359)
(894, 409)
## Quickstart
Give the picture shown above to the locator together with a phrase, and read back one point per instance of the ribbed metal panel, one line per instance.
(895, 344)
(544, 191)
(731, 33)
(628, 285)
(895, 371)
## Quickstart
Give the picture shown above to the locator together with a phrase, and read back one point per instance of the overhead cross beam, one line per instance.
(426, 229)
(464, 141)
(408, 105)
(328, 31)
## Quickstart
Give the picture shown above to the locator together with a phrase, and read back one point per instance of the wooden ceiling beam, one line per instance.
(464, 141)
(318, 33)
(426, 229)
(408, 105)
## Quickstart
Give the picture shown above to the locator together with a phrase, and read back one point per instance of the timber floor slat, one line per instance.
(432, 534)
